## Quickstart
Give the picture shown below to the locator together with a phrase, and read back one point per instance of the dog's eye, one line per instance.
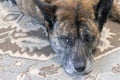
(66, 40)
(88, 37)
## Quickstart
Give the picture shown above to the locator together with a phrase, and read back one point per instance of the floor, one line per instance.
(25, 53)
(11, 68)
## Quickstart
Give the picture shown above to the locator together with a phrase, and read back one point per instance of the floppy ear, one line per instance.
(102, 11)
(48, 11)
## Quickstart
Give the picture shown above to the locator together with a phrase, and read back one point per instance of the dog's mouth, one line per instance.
(70, 69)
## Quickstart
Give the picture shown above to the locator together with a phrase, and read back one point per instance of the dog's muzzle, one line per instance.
(78, 60)
(79, 67)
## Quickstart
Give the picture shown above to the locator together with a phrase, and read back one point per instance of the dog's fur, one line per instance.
(74, 27)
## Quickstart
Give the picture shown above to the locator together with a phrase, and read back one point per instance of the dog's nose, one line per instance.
(80, 69)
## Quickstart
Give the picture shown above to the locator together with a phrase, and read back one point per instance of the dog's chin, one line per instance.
(69, 68)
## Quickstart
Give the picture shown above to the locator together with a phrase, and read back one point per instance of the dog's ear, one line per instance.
(48, 11)
(102, 11)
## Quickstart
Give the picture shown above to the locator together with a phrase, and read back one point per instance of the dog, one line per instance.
(73, 27)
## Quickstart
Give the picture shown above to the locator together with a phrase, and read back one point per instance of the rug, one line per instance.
(26, 53)
(22, 36)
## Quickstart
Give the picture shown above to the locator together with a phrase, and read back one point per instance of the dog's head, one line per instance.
(74, 30)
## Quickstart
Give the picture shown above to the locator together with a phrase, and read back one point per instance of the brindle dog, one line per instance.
(74, 28)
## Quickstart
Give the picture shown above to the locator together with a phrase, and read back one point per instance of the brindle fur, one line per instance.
(74, 28)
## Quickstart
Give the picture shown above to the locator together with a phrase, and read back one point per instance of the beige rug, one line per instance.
(21, 36)
(25, 39)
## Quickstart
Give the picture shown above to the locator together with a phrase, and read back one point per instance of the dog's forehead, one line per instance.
(69, 29)
(69, 9)
(65, 28)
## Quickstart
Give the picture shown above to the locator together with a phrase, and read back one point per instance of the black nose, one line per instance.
(80, 69)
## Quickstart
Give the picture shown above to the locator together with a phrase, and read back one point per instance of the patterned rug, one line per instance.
(24, 38)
